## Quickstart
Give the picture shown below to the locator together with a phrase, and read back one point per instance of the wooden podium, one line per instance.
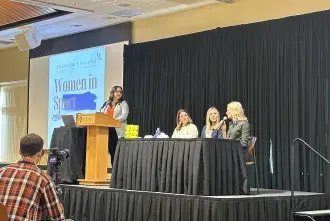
(96, 147)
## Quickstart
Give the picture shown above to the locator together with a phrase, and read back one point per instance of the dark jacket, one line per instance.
(240, 130)
(215, 133)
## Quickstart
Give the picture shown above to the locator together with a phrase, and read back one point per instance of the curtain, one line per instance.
(279, 70)
(13, 114)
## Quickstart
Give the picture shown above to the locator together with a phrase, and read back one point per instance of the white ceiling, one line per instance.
(92, 14)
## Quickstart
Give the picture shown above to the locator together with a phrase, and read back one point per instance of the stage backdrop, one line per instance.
(279, 70)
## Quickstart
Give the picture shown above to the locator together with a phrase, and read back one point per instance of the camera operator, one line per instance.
(25, 189)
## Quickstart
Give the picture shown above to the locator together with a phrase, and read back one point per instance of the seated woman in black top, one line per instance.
(214, 127)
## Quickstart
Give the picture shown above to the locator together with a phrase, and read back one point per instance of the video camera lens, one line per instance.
(64, 153)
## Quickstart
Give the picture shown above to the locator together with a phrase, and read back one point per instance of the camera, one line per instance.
(57, 157)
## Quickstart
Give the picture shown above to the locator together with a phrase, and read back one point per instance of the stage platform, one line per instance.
(84, 203)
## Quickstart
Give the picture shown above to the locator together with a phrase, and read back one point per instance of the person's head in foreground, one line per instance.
(31, 146)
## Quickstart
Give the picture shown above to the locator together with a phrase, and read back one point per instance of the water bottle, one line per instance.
(157, 132)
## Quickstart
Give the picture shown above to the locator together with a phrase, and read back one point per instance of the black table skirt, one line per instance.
(73, 139)
(187, 166)
(96, 204)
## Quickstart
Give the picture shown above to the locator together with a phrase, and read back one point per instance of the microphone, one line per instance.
(105, 103)
(224, 119)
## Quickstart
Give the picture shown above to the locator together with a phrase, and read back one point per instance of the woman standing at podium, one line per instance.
(117, 108)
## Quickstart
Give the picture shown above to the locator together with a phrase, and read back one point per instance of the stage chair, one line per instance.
(253, 162)
(3, 213)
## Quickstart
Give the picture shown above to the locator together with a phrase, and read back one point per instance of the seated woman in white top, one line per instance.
(184, 126)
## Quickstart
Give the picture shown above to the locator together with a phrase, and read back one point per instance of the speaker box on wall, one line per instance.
(28, 39)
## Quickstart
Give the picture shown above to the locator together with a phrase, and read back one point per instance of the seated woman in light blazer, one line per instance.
(184, 126)
(117, 108)
(214, 128)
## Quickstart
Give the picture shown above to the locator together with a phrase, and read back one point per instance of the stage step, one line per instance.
(315, 215)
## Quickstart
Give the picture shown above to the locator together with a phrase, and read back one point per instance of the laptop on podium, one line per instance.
(68, 120)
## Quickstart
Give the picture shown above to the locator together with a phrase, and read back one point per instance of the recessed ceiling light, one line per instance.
(109, 18)
(76, 26)
(126, 13)
(123, 5)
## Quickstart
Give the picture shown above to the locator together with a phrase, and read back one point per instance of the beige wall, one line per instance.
(221, 15)
(14, 64)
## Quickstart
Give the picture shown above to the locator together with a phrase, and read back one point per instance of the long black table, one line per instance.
(73, 139)
(185, 166)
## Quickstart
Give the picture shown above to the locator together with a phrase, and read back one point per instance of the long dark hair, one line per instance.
(113, 89)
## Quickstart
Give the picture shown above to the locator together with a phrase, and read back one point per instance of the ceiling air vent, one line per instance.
(6, 42)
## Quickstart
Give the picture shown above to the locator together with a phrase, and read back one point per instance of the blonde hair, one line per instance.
(208, 121)
(178, 123)
(236, 111)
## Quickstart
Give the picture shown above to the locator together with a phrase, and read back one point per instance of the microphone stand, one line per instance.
(104, 104)
(292, 166)
(57, 186)
(56, 170)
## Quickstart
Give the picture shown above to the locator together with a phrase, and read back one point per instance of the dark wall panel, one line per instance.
(93, 38)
